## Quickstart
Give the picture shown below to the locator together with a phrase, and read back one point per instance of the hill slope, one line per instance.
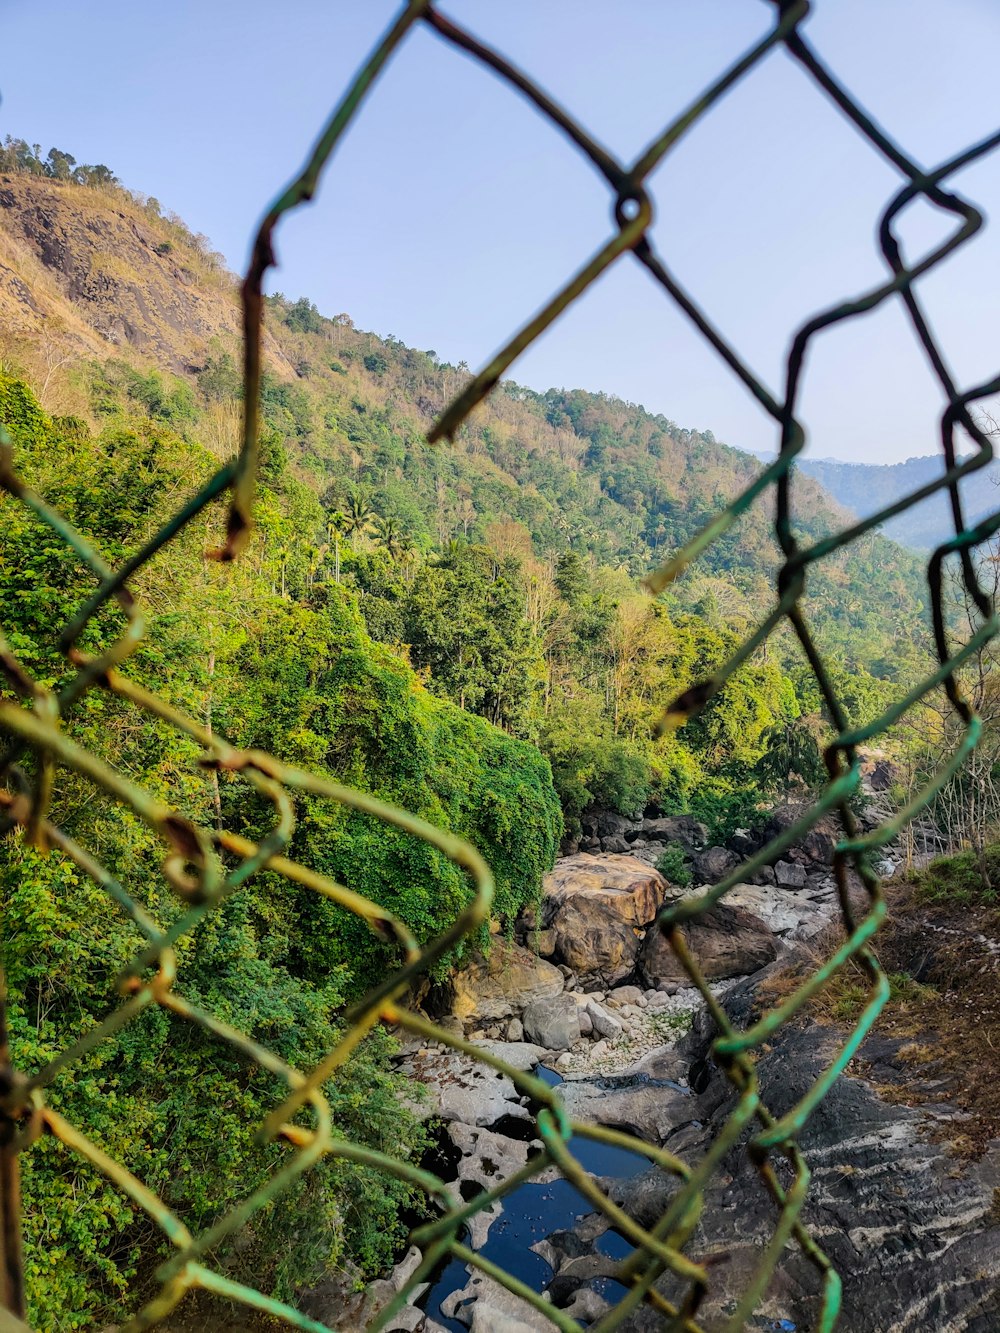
(864, 488)
(561, 501)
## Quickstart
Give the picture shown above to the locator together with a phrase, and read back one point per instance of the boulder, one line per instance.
(789, 875)
(615, 845)
(553, 1023)
(500, 985)
(684, 829)
(625, 995)
(609, 823)
(714, 864)
(594, 905)
(726, 942)
(604, 1023)
(790, 915)
(624, 886)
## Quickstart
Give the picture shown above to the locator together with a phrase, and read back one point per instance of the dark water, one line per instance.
(533, 1212)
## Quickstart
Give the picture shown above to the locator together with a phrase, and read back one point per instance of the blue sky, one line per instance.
(451, 211)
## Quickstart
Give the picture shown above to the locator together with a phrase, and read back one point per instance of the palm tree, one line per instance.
(358, 518)
(335, 528)
(388, 534)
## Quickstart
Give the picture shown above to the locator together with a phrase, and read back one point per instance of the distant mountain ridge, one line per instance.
(865, 488)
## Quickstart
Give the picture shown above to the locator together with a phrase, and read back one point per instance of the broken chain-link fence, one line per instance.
(204, 866)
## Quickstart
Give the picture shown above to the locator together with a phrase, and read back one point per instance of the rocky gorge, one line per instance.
(585, 994)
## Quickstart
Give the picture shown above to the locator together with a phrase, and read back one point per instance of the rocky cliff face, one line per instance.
(90, 273)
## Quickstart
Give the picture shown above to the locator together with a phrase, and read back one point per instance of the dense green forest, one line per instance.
(460, 629)
(283, 661)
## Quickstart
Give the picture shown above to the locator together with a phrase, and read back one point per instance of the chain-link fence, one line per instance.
(204, 866)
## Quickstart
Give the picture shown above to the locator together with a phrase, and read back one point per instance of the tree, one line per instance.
(358, 516)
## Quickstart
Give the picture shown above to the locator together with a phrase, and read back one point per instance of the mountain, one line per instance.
(504, 567)
(865, 488)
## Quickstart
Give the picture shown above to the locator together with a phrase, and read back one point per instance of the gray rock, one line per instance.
(553, 1023)
(643, 1106)
(515, 1030)
(586, 1023)
(726, 941)
(790, 876)
(615, 844)
(714, 864)
(604, 1024)
(684, 829)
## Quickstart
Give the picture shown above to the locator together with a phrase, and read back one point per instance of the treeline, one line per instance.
(280, 659)
(19, 155)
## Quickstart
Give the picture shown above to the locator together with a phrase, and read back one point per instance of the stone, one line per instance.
(649, 1108)
(789, 915)
(604, 1024)
(714, 864)
(586, 1023)
(544, 942)
(553, 1023)
(790, 876)
(487, 1307)
(515, 1030)
(625, 995)
(497, 987)
(623, 885)
(460, 1087)
(684, 829)
(616, 844)
(726, 942)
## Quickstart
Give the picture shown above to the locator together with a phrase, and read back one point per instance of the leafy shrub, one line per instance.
(673, 865)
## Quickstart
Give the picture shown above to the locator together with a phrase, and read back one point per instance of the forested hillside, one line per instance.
(864, 488)
(460, 629)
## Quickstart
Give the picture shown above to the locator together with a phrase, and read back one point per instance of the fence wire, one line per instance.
(204, 866)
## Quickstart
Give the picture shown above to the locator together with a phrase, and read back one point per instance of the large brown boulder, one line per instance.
(623, 886)
(726, 942)
(597, 945)
(501, 984)
(593, 906)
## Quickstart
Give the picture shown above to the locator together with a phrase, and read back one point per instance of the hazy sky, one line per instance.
(452, 211)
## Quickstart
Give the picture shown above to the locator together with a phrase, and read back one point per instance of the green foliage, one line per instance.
(279, 653)
(968, 877)
(673, 865)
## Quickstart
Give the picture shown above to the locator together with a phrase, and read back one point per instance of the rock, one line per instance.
(544, 942)
(615, 844)
(625, 995)
(726, 942)
(714, 864)
(515, 1030)
(485, 1158)
(603, 1023)
(646, 1107)
(623, 885)
(586, 1023)
(521, 1055)
(818, 846)
(608, 824)
(742, 843)
(684, 829)
(463, 1088)
(553, 1023)
(488, 1307)
(595, 904)
(790, 915)
(499, 986)
(789, 876)
(586, 1306)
